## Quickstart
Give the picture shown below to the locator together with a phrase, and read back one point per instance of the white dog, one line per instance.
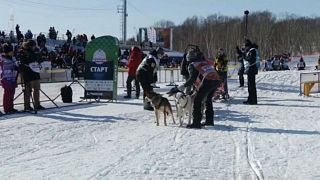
(184, 105)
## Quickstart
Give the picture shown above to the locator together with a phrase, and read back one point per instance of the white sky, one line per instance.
(101, 17)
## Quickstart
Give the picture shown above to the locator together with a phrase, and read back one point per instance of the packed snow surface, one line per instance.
(277, 139)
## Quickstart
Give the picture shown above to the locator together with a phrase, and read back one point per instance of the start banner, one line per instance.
(101, 68)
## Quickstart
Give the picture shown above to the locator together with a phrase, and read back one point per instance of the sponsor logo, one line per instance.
(99, 57)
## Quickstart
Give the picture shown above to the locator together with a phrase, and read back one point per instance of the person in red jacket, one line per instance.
(135, 59)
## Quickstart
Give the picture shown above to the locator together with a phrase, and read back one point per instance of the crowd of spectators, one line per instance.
(67, 53)
(277, 63)
(61, 53)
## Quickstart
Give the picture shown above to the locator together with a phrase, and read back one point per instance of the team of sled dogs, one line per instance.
(161, 105)
(183, 104)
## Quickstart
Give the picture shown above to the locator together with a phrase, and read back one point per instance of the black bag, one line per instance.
(66, 94)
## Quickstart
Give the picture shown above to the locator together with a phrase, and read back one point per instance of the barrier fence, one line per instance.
(52, 80)
(165, 75)
(309, 83)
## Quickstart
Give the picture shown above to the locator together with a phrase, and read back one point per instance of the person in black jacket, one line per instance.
(184, 71)
(185, 63)
(30, 66)
(241, 69)
(146, 73)
(251, 70)
(301, 64)
(210, 81)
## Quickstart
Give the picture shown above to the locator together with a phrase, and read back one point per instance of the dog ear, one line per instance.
(149, 94)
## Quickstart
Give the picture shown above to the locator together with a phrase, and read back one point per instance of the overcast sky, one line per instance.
(100, 17)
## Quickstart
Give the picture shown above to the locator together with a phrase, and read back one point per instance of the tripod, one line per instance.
(23, 92)
(23, 86)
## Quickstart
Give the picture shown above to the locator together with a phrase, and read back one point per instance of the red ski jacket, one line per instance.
(135, 59)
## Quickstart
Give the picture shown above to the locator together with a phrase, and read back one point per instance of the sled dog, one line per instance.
(184, 105)
(160, 105)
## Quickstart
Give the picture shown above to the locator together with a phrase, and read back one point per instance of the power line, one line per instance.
(32, 3)
(142, 13)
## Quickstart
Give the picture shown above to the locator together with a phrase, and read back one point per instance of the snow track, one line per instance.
(245, 165)
(254, 163)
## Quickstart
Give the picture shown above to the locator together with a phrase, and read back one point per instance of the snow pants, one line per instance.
(204, 94)
(35, 85)
(8, 96)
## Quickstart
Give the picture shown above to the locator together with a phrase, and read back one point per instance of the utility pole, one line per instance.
(246, 12)
(123, 11)
(11, 20)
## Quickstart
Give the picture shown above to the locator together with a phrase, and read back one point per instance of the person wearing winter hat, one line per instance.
(240, 57)
(146, 74)
(9, 74)
(30, 59)
(203, 70)
(251, 70)
(222, 67)
(301, 65)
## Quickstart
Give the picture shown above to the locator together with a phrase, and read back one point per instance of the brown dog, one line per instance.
(160, 104)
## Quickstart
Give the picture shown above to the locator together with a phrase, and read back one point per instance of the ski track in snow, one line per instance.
(244, 154)
(254, 163)
(106, 170)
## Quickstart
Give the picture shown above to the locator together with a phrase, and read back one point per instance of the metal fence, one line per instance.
(165, 75)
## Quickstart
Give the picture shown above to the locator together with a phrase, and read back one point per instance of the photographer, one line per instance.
(30, 60)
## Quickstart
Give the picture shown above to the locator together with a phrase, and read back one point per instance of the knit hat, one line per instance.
(7, 48)
(247, 42)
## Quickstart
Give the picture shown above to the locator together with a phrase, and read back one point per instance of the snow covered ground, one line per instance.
(277, 139)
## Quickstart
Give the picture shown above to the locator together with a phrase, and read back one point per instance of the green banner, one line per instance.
(101, 68)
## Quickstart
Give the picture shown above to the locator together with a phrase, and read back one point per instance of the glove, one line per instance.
(181, 87)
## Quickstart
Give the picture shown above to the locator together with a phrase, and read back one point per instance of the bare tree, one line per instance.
(289, 34)
(164, 24)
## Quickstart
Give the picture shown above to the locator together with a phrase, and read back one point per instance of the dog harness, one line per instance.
(206, 70)
(185, 105)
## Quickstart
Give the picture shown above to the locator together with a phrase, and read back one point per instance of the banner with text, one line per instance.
(101, 68)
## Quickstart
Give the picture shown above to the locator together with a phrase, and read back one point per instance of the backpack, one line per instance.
(66, 94)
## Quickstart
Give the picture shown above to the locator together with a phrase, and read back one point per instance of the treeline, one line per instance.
(291, 34)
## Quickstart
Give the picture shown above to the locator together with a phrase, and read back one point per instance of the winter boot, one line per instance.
(207, 123)
(194, 126)
(147, 106)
